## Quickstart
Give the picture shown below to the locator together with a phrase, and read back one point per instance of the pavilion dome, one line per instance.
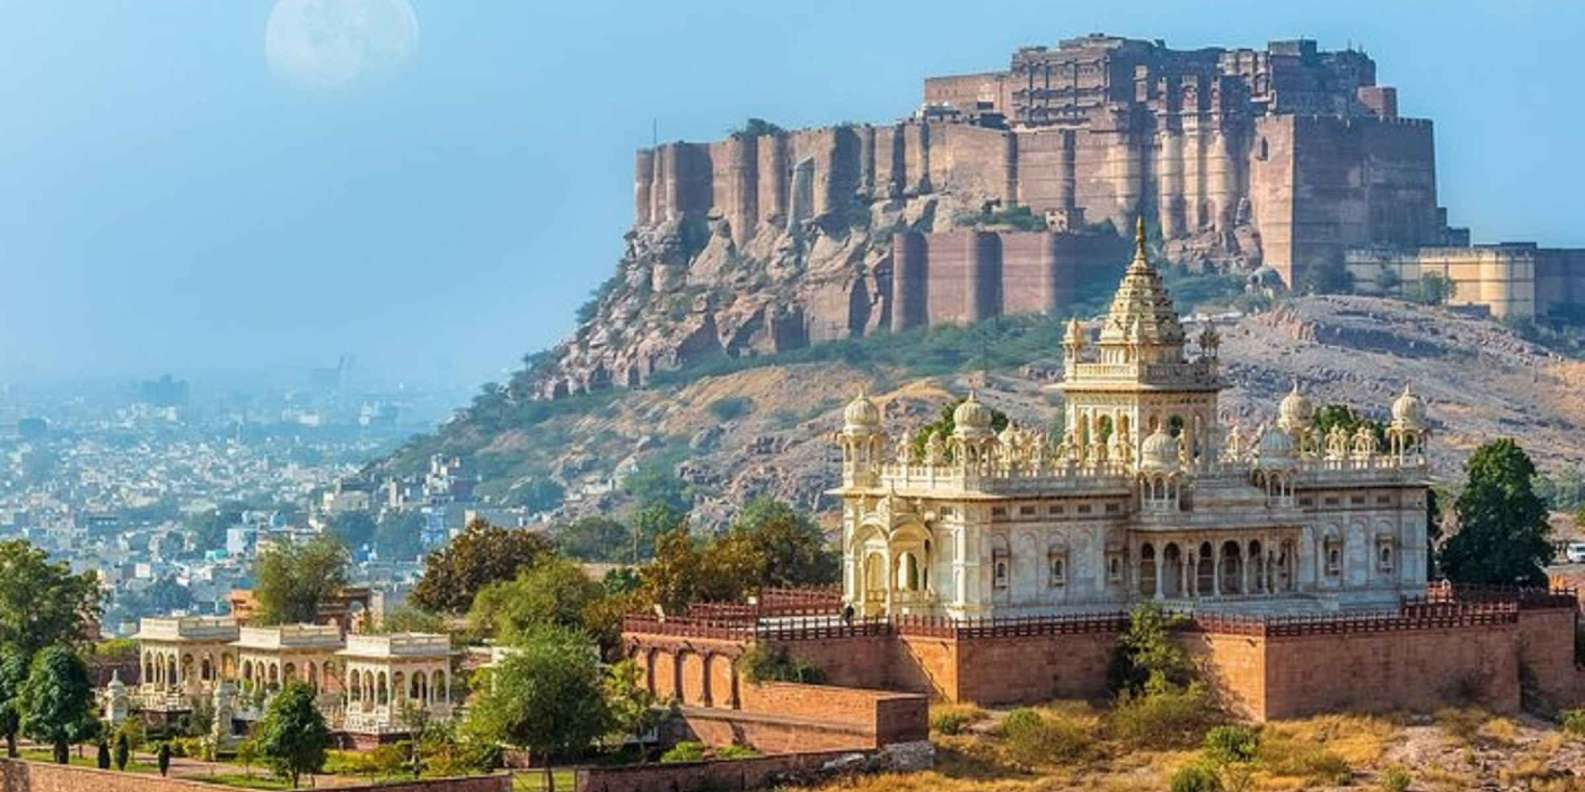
(1275, 449)
(1295, 411)
(972, 419)
(861, 415)
(1408, 412)
(1159, 452)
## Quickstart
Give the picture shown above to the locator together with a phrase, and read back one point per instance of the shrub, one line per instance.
(1226, 744)
(1395, 779)
(685, 751)
(1573, 722)
(1291, 758)
(1034, 737)
(736, 752)
(761, 663)
(730, 407)
(1177, 719)
(1146, 657)
(954, 719)
(1197, 777)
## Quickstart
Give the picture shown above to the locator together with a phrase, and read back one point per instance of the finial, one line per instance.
(1295, 385)
(1139, 237)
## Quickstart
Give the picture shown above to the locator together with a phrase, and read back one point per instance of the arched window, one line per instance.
(1057, 563)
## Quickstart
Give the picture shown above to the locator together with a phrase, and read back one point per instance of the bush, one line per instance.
(1395, 779)
(761, 663)
(954, 720)
(1197, 777)
(1146, 658)
(1294, 759)
(1227, 744)
(685, 751)
(1035, 738)
(1177, 719)
(736, 752)
(731, 407)
(1573, 722)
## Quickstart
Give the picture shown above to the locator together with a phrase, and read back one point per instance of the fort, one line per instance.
(1300, 146)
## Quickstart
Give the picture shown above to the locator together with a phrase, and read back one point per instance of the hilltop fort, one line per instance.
(1005, 191)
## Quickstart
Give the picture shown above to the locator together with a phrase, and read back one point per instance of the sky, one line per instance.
(177, 196)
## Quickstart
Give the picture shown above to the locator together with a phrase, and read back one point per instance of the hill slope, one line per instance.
(766, 429)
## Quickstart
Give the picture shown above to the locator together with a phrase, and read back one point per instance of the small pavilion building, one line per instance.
(385, 673)
(269, 657)
(182, 658)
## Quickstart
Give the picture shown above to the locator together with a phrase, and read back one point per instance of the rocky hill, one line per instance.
(765, 429)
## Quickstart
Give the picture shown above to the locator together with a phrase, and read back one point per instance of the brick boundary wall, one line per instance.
(726, 775)
(22, 776)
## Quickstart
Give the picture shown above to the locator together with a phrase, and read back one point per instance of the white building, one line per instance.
(1147, 496)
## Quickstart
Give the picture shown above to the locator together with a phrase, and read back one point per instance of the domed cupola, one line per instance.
(1408, 412)
(972, 420)
(1275, 449)
(1159, 452)
(861, 416)
(1295, 413)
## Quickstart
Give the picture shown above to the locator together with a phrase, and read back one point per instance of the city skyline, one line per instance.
(198, 206)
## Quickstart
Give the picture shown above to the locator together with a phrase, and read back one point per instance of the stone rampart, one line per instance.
(21, 776)
(737, 774)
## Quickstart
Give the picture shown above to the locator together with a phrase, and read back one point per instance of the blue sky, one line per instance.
(168, 203)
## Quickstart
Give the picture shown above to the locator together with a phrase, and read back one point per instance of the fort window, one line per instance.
(998, 511)
(1054, 510)
(999, 569)
(1111, 508)
(1059, 568)
(1026, 511)
(1084, 508)
(1114, 569)
(1331, 501)
(1356, 500)
(1383, 499)
(1384, 554)
(1334, 558)
(1306, 501)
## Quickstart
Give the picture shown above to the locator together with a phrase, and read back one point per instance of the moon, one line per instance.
(331, 44)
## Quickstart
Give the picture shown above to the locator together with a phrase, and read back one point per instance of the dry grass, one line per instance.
(1499, 731)
(955, 718)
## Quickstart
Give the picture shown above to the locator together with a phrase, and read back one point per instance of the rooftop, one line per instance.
(187, 628)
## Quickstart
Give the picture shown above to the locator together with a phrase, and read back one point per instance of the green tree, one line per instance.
(406, 618)
(400, 536)
(43, 603)
(552, 591)
(595, 538)
(1503, 535)
(537, 493)
(293, 736)
(653, 519)
(13, 674)
(1437, 289)
(482, 554)
(785, 547)
(946, 422)
(354, 529)
(102, 755)
(1343, 415)
(676, 576)
(162, 757)
(292, 581)
(655, 482)
(1146, 659)
(123, 752)
(634, 709)
(57, 701)
(546, 698)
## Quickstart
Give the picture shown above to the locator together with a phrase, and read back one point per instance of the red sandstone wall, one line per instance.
(1234, 666)
(860, 662)
(1417, 670)
(18, 776)
(1027, 670)
(740, 774)
(1546, 650)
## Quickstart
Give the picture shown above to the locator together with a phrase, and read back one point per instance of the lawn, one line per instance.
(90, 758)
(534, 781)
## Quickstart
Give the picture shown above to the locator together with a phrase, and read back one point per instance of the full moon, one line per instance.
(332, 44)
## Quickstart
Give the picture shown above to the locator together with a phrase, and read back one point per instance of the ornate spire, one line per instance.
(1142, 312)
(1140, 259)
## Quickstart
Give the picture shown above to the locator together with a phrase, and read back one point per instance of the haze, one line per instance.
(171, 203)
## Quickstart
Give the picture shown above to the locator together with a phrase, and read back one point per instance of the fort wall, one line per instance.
(967, 276)
(1510, 280)
(22, 776)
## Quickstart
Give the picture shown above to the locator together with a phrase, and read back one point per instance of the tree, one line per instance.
(406, 618)
(1327, 278)
(634, 709)
(13, 674)
(546, 698)
(946, 422)
(676, 576)
(400, 536)
(595, 538)
(354, 529)
(655, 482)
(168, 595)
(293, 736)
(482, 554)
(787, 547)
(1502, 533)
(1437, 289)
(294, 580)
(162, 757)
(57, 701)
(123, 752)
(247, 754)
(1343, 415)
(43, 603)
(102, 757)
(1146, 659)
(769, 544)
(553, 591)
